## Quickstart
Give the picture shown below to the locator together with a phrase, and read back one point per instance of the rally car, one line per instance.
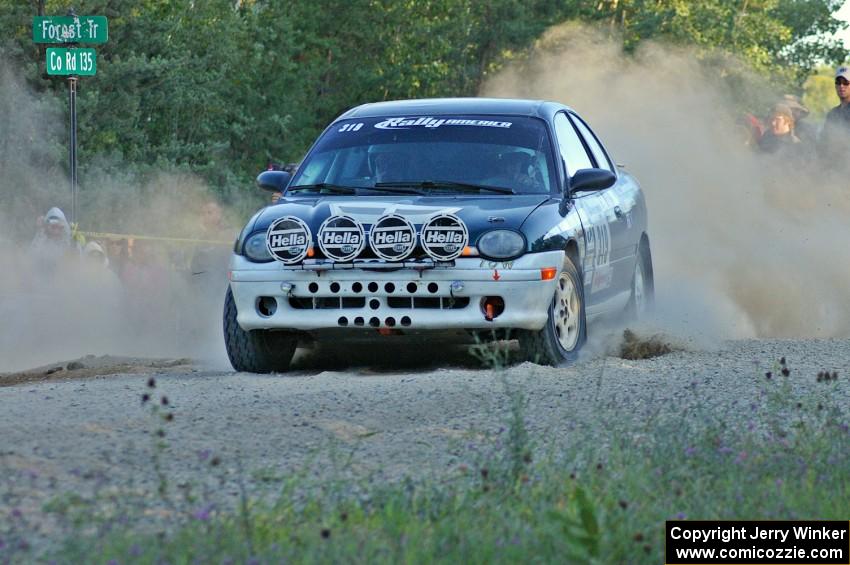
(441, 219)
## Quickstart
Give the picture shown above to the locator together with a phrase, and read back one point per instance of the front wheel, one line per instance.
(559, 341)
(255, 351)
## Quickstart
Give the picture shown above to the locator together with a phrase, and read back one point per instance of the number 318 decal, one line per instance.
(598, 242)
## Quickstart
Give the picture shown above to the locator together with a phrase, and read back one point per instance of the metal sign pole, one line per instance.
(72, 149)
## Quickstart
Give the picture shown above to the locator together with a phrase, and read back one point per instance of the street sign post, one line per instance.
(64, 61)
(72, 62)
(70, 29)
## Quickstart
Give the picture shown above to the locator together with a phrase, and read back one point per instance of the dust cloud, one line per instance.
(149, 297)
(744, 245)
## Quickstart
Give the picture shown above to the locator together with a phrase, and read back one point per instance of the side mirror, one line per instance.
(589, 180)
(273, 181)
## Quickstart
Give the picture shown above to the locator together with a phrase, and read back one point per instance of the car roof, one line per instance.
(480, 106)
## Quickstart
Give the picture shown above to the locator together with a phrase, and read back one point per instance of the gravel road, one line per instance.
(90, 433)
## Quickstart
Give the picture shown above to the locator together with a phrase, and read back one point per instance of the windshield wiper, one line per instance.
(447, 184)
(402, 188)
(324, 186)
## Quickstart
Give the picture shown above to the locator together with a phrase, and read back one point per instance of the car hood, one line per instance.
(480, 213)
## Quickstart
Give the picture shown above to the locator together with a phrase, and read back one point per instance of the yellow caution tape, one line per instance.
(104, 235)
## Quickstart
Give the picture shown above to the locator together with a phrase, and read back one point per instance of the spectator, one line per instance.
(116, 252)
(806, 132)
(835, 135)
(52, 246)
(780, 138)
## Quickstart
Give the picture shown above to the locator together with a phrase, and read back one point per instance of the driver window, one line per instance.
(572, 149)
(602, 160)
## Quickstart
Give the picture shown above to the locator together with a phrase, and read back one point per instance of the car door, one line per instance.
(596, 267)
(620, 201)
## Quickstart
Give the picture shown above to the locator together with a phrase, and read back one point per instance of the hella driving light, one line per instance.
(256, 249)
(501, 244)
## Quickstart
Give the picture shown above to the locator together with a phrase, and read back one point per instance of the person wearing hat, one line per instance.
(805, 131)
(835, 136)
(780, 137)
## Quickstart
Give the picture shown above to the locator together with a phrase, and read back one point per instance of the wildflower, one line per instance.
(326, 533)
(599, 466)
(768, 375)
(786, 371)
(204, 454)
(742, 456)
(484, 473)
(799, 405)
(164, 400)
(215, 461)
(820, 406)
(690, 451)
(778, 483)
(647, 548)
(623, 504)
(343, 516)
(524, 479)
(16, 513)
(835, 375)
(678, 492)
(169, 417)
(486, 488)
(573, 476)
(145, 397)
(135, 550)
(681, 516)
(526, 458)
(160, 433)
(638, 537)
(725, 450)
(203, 514)
(844, 428)
(151, 382)
(782, 361)
(462, 468)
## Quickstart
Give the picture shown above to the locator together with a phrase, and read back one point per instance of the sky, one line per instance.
(844, 14)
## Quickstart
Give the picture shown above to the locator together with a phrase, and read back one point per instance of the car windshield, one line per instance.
(433, 154)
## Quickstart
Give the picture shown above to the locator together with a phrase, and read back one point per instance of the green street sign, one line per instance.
(70, 29)
(63, 61)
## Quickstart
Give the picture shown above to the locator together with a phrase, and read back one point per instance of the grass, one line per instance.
(602, 499)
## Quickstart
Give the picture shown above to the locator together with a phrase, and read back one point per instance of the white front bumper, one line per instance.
(320, 301)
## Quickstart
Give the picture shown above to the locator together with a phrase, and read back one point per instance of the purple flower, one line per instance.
(204, 454)
(135, 550)
(844, 428)
(778, 483)
(681, 516)
(203, 514)
(16, 513)
(113, 562)
(742, 456)
(690, 451)
(725, 450)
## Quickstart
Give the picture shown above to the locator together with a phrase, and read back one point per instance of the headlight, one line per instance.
(501, 244)
(255, 248)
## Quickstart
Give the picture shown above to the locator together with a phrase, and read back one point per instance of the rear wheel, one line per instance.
(643, 285)
(559, 341)
(256, 351)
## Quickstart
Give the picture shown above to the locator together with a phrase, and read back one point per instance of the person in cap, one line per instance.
(780, 137)
(835, 136)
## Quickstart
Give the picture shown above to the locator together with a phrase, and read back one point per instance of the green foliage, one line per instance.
(819, 92)
(221, 88)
